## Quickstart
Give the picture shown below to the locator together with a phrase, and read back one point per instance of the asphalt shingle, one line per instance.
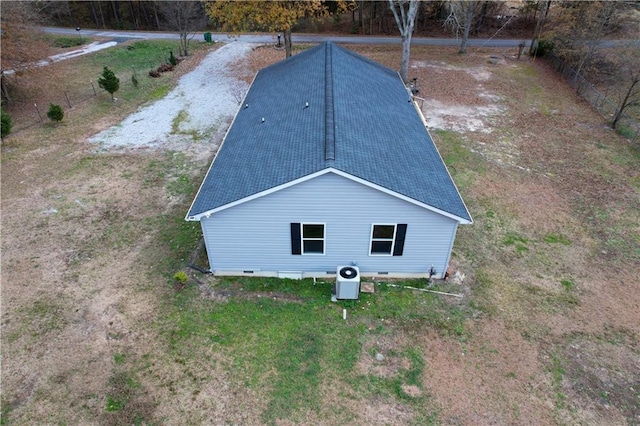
(284, 132)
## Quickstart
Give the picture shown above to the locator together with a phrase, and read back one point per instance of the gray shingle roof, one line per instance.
(359, 120)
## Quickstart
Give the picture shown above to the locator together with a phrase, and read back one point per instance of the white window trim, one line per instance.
(323, 239)
(393, 239)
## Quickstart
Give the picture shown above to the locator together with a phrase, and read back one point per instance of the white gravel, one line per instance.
(203, 101)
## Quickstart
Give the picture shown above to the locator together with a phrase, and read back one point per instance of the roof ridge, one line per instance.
(327, 108)
(329, 118)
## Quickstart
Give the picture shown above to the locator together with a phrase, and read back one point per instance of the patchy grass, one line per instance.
(627, 131)
(598, 370)
(519, 241)
(294, 340)
(463, 164)
(67, 41)
(141, 55)
(196, 135)
(80, 82)
(45, 316)
(126, 402)
(557, 377)
(94, 329)
(557, 239)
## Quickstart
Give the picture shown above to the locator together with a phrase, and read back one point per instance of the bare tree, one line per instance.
(628, 76)
(460, 19)
(404, 12)
(579, 30)
(184, 16)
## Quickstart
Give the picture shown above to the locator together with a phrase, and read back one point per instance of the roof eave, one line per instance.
(188, 217)
(209, 213)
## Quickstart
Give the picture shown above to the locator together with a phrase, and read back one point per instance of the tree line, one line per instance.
(573, 30)
(354, 16)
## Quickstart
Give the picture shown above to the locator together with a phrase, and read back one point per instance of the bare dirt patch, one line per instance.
(601, 374)
(471, 112)
(493, 380)
(378, 356)
(533, 186)
(78, 258)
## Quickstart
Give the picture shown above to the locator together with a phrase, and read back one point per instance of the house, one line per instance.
(328, 162)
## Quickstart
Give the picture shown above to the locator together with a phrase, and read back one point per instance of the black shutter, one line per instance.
(401, 231)
(296, 242)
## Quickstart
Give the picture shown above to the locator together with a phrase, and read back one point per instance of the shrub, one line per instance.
(109, 82)
(7, 123)
(544, 46)
(181, 277)
(55, 113)
(165, 68)
(626, 131)
(154, 74)
(172, 59)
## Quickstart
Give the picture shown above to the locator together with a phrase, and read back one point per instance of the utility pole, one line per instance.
(539, 25)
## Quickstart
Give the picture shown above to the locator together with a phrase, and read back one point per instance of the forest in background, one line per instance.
(362, 17)
(571, 32)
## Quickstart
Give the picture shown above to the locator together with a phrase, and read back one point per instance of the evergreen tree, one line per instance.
(55, 113)
(7, 124)
(172, 59)
(109, 82)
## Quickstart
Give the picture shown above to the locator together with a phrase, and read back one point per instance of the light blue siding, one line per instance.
(255, 236)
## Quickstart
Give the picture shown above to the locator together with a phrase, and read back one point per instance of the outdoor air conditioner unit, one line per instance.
(347, 282)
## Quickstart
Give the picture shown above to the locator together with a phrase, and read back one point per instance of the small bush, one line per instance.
(109, 82)
(172, 59)
(165, 68)
(55, 113)
(181, 277)
(626, 131)
(544, 46)
(7, 124)
(154, 74)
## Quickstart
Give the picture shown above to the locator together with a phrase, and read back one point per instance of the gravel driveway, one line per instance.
(202, 103)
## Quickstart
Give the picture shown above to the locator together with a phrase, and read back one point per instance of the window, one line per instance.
(312, 239)
(387, 239)
(307, 238)
(382, 239)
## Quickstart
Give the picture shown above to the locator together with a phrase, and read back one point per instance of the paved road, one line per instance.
(121, 36)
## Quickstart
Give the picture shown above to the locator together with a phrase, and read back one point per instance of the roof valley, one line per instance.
(329, 119)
